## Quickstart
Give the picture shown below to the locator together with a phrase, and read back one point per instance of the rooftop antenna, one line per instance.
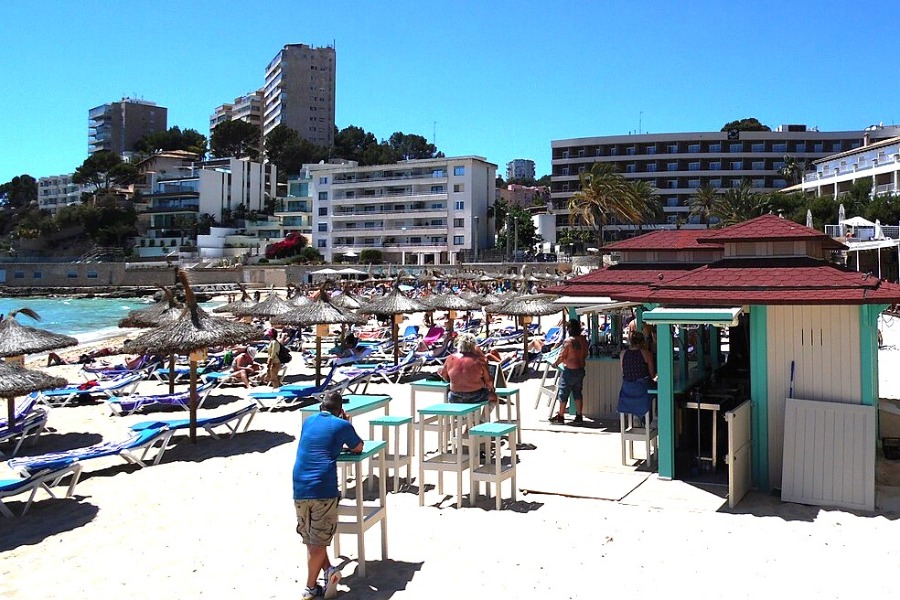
(640, 121)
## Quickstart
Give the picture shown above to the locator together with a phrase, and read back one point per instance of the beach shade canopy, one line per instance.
(195, 330)
(18, 381)
(391, 304)
(451, 302)
(347, 300)
(17, 339)
(525, 305)
(319, 312)
(164, 311)
(857, 222)
(238, 305)
(428, 277)
(272, 306)
(350, 270)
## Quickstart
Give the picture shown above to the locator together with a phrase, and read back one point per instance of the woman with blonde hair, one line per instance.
(468, 374)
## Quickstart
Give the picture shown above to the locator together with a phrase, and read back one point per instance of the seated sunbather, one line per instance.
(243, 367)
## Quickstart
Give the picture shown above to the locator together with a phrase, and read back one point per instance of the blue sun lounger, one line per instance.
(126, 405)
(231, 421)
(64, 396)
(134, 449)
(41, 479)
(28, 427)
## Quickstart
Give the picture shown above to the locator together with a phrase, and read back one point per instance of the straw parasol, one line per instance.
(165, 311)
(272, 306)
(192, 333)
(451, 302)
(525, 305)
(237, 305)
(319, 312)
(16, 340)
(18, 381)
(392, 304)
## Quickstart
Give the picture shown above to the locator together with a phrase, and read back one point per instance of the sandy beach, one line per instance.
(215, 520)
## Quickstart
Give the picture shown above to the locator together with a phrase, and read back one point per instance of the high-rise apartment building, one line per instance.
(677, 164)
(117, 126)
(299, 92)
(520, 168)
(248, 107)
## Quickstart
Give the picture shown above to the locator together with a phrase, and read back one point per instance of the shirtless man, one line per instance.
(467, 372)
(573, 356)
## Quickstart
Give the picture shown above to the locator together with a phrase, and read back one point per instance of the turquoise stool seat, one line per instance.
(395, 457)
(491, 466)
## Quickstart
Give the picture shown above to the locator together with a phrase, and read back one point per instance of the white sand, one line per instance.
(215, 520)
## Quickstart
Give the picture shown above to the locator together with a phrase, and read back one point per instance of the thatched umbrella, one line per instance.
(526, 305)
(237, 305)
(272, 306)
(18, 340)
(18, 381)
(319, 312)
(390, 305)
(192, 333)
(165, 311)
(451, 302)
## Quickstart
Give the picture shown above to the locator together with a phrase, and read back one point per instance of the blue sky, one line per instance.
(498, 78)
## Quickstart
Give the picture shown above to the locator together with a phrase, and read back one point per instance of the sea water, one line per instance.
(88, 319)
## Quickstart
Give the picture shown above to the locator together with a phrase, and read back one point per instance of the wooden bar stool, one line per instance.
(394, 458)
(487, 468)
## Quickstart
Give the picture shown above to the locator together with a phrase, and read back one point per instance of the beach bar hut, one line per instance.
(800, 365)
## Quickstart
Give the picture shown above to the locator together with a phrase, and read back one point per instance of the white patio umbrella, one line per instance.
(842, 214)
(809, 219)
(858, 222)
(879, 233)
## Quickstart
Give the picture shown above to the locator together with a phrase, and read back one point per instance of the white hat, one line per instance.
(251, 351)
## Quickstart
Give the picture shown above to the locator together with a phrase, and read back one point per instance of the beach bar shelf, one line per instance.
(359, 516)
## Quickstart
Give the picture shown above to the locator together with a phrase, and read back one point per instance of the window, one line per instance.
(461, 205)
(672, 219)
(715, 166)
(715, 147)
(818, 148)
(92, 274)
(458, 187)
(672, 201)
(631, 168)
(758, 147)
(323, 181)
(437, 206)
(716, 183)
(672, 148)
(323, 227)
(438, 173)
(651, 167)
(629, 150)
(323, 211)
(837, 147)
(673, 183)
(459, 223)
(672, 166)
(779, 147)
(736, 147)
(323, 196)
(736, 183)
(800, 147)
(759, 183)
(694, 166)
(693, 148)
(458, 171)
(37, 275)
(321, 243)
(72, 275)
(437, 189)
(651, 149)
(19, 275)
(459, 240)
(737, 165)
(758, 165)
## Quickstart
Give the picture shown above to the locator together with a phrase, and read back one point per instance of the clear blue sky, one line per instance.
(497, 78)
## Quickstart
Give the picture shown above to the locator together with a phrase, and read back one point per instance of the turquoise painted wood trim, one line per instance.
(639, 314)
(715, 344)
(868, 352)
(665, 401)
(572, 313)
(759, 396)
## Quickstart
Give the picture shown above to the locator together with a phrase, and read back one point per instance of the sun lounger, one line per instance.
(29, 427)
(296, 394)
(409, 365)
(127, 405)
(434, 334)
(182, 373)
(231, 421)
(146, 364)
(134, 449)
(41, 479)
(23, 408)
(108, 389)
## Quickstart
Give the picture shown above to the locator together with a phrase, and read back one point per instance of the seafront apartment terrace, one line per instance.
(836, 174)
(677, 164)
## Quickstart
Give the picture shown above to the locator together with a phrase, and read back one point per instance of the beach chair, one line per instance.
(134, 449)
(146, 364)
(408, 365)
(183, 373)
(23, 408)
(107, 389)
(126, 405)
(41, 479)
(231, 421)
(29, 427)
(434, 334)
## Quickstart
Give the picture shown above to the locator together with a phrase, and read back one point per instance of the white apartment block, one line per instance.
(59, 190)
(427, 211)
(300, 92)
(676, 164)
(836, 174)
(248, 107)
(520, 168)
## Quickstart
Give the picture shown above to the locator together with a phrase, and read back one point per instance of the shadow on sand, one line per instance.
(45, 518)
(383, 579)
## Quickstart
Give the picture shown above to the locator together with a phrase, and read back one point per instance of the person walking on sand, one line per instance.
(273, 362)
(316, 495)
(573, 358)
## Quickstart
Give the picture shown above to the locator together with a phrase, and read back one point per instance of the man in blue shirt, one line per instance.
(316, 494)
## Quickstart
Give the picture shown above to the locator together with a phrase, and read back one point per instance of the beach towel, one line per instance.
(634, 397)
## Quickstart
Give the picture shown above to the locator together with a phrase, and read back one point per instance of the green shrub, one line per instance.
(374, 257)
(263, 261)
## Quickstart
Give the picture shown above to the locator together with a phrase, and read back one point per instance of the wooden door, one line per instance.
(740, 444)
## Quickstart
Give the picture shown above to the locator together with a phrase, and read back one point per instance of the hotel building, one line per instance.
(299, 92)
(520, 168)
(247, 108)
(676, 164)
(57, 191)
(426, 211)
(117, 126)
(836, 174)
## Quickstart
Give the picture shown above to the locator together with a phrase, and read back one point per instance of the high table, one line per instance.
(354, 404)
(456, 419)
(424, 386)
(357, 518)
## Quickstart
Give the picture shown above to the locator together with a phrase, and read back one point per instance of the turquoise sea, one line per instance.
(84, 318)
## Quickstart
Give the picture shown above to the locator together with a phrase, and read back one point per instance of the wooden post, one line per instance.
(172, 373)
(193, 385)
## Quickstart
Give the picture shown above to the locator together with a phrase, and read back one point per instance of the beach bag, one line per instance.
(284, 355)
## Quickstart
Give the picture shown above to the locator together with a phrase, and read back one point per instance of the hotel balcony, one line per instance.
(436, 176)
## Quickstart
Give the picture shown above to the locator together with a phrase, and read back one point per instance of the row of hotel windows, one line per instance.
(653, 167)
(40, 275)
(712, 148)
(458, 188)
(458, 240)
(457, 224)
(436, 173)
(674, 184)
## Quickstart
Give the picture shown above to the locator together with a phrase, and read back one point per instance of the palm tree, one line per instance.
(605, 194)
(792, 169)
(737, 205)
(702, 203)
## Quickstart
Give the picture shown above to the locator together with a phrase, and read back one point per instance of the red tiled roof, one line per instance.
(768, 281)
(765, 229)
(666, 239)
(617, 279)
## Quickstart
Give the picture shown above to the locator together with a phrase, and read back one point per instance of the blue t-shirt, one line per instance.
(321, 441)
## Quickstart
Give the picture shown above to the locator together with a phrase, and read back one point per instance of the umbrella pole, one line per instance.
(318, 359)
(394, 339)
(11, 407)
(525, 340)
(193, 393)
(172, 373)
